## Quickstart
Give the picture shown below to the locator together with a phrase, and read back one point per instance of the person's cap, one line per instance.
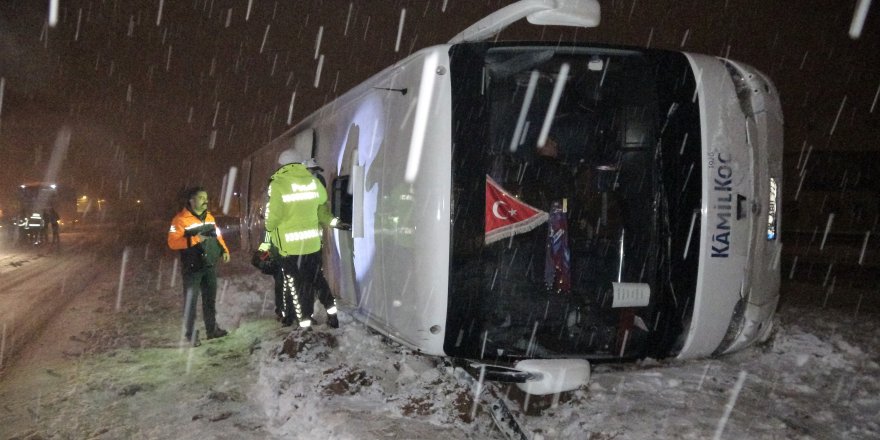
(312, 163)
(290, 155)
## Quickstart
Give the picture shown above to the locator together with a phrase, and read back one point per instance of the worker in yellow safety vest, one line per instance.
(296, 210)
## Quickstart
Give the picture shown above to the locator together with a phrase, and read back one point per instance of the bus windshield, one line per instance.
(562, 217)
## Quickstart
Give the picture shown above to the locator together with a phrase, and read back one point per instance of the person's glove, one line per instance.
(338, 224)
(264, 247)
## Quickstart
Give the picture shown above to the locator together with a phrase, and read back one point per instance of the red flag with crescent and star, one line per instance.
(506, 215)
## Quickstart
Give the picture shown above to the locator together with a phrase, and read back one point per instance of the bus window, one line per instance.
(342, 199)
(576, 133)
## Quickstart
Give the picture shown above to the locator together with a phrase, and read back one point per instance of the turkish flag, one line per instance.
(506, 215)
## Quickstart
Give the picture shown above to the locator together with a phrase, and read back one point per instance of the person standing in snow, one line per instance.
(296, 210)
(277, 274)
(52, 220)
(195, 234)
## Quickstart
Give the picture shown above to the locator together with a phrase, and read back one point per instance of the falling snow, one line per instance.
(816, 378)
(128, 102)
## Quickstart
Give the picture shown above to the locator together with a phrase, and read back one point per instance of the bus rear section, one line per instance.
(583, 222)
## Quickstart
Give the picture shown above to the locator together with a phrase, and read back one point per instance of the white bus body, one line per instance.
(668, 174)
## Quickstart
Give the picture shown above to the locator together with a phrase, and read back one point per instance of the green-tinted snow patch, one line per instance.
(122, 392)
(170, 364)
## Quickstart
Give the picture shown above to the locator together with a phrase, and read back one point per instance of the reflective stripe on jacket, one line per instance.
(296, 210)
(178, 240)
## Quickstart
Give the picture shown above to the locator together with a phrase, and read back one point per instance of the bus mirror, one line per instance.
(576, 14)
(585, 13)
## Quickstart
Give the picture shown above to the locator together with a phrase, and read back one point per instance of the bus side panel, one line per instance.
(427, 255)
(394, 276)
(408, 218)
(341, 132)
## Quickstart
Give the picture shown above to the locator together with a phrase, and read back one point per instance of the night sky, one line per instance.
(158, 94)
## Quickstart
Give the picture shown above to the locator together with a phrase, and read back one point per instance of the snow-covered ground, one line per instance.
(816, 378)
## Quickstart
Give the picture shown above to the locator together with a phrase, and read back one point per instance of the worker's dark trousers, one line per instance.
(204, 280)
(303, 280)
(278, 277)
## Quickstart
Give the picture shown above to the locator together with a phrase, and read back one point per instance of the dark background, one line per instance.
(143, 101)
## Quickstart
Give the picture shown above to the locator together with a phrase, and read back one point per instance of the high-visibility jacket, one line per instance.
(190, 244)
(296, 210)
(35, 221)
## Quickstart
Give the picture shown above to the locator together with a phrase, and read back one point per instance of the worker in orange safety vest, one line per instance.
(195, 234)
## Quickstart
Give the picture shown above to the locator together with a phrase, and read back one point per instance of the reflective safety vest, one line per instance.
(296, 210)
(35, 221)
(191, 252)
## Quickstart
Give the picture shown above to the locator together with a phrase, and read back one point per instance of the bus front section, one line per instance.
(577, 187)
(581, 227)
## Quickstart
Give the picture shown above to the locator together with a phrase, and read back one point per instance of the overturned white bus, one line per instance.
(562, 202)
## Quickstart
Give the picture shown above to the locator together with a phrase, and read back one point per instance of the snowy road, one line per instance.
(36, 283)
(818, 377)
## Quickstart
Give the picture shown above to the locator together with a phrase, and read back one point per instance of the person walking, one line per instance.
(35, 228)
(195, 234)
(52, 220)
(296, 210)
(277, 275)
